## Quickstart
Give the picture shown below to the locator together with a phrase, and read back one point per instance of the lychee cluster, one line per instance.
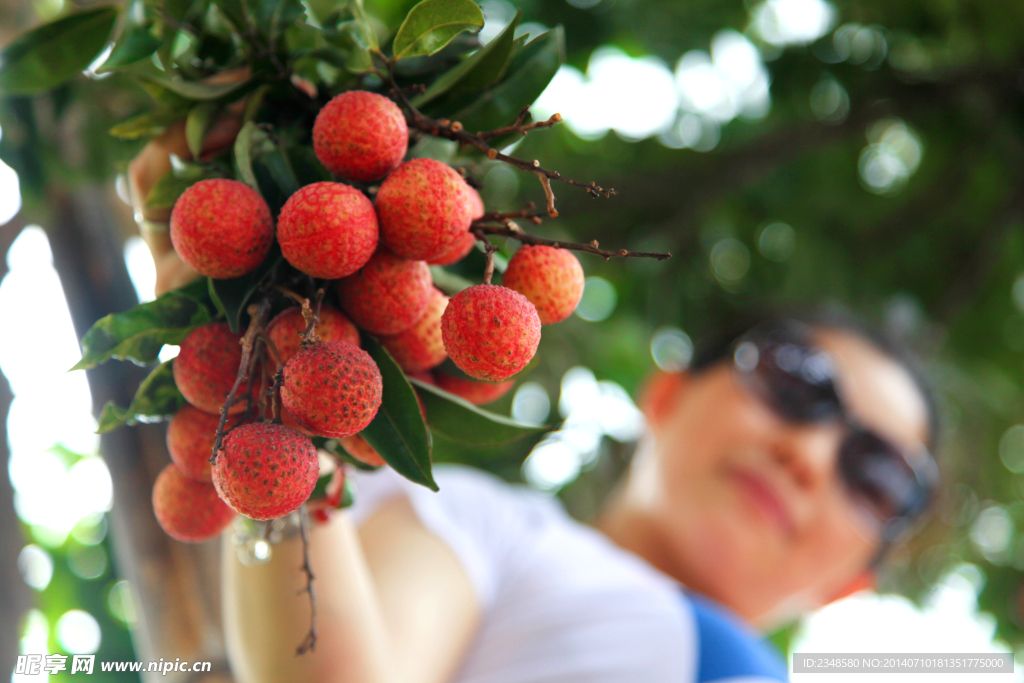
(379, 254)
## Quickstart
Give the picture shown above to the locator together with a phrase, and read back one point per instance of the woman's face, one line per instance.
(749, 508)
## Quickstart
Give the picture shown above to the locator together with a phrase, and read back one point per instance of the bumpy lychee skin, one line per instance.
(477, 393)
(490, 332)
(190, 437)
(552, 279)
(360, 136)
(221, 228)
(464, 244)
(327, 230)
(264, 471)
(357, 447)
(206, 367)
(332, 388)
(188, 510)
(423, 209)
(420, 347)
(388, 294)
(286, 328)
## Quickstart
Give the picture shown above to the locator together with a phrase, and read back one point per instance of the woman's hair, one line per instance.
(718, 347)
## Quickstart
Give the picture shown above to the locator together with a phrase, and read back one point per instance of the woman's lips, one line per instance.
(764, 498)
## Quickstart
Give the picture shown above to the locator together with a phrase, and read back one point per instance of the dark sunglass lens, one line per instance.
(799, 381)
(879, 476)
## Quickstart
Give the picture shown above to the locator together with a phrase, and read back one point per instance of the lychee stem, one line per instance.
(258, 320)
(308, 643)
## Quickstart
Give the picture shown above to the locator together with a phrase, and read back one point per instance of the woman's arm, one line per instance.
(394, 605)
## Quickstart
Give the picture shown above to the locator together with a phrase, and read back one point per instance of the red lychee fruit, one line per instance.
(327, 230)
(206, 367)
(221, 228)
(360, 136)
(264, 471)
(423, 209)
(490, 332)
(188, 510)
(357, 447)
(477, 393)
(552, 279)
(388, 294)
(286, 328)
(190, 437)
(464, 244)
(332, 388)
(420, 347)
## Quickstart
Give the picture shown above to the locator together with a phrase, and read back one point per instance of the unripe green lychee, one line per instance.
(327, 230)
(490, 332)
(186, 509)
(286, 328)
(332, 388)
(206, 367)
(420, 347)
(360, 136)
(221, 228)
(264, 471)
(477, 393)
(423, 209)
(190, 436)
(552, 279)
(388, 294)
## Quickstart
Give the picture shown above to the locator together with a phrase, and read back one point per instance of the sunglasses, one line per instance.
(798, 382)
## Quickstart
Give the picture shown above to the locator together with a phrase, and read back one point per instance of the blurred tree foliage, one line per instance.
(935, 260)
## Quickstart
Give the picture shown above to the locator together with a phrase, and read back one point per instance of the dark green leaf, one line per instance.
(139, 334)
(355, 38)
(431, 25)
(232, 9)
(397, 432)
(462, 422)
(149, 124)
(478, 71)
(157, 399)
(231, 296)
(48, 55)
(530, 72)
(198, 123)
(135, 44)
(243, 153)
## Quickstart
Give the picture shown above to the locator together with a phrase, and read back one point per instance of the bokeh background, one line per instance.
(859, 154)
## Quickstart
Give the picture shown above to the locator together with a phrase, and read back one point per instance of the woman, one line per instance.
(772, 478)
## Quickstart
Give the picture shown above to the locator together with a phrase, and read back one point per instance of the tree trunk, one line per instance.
(177, 585)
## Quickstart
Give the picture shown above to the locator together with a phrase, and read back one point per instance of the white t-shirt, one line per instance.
(560, 601)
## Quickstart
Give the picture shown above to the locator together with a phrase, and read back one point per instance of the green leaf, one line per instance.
(48, 55)
(198, 123)
(431, 25)
(135, 44)
(397, 432)
(529, 73)
(243, 153)
(149, 124)
(356, 39)
(166, 191)
(461, 421)
(232, 9)
(139, 334)
(447, 281)
(478, 71)
(157, 399)
(232, 295)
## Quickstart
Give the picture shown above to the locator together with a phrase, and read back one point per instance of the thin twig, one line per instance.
(308, 643)
(515, 232)
(258, 318)
(453, 130)
(275, 395)
(311, 314)
(490, 248)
